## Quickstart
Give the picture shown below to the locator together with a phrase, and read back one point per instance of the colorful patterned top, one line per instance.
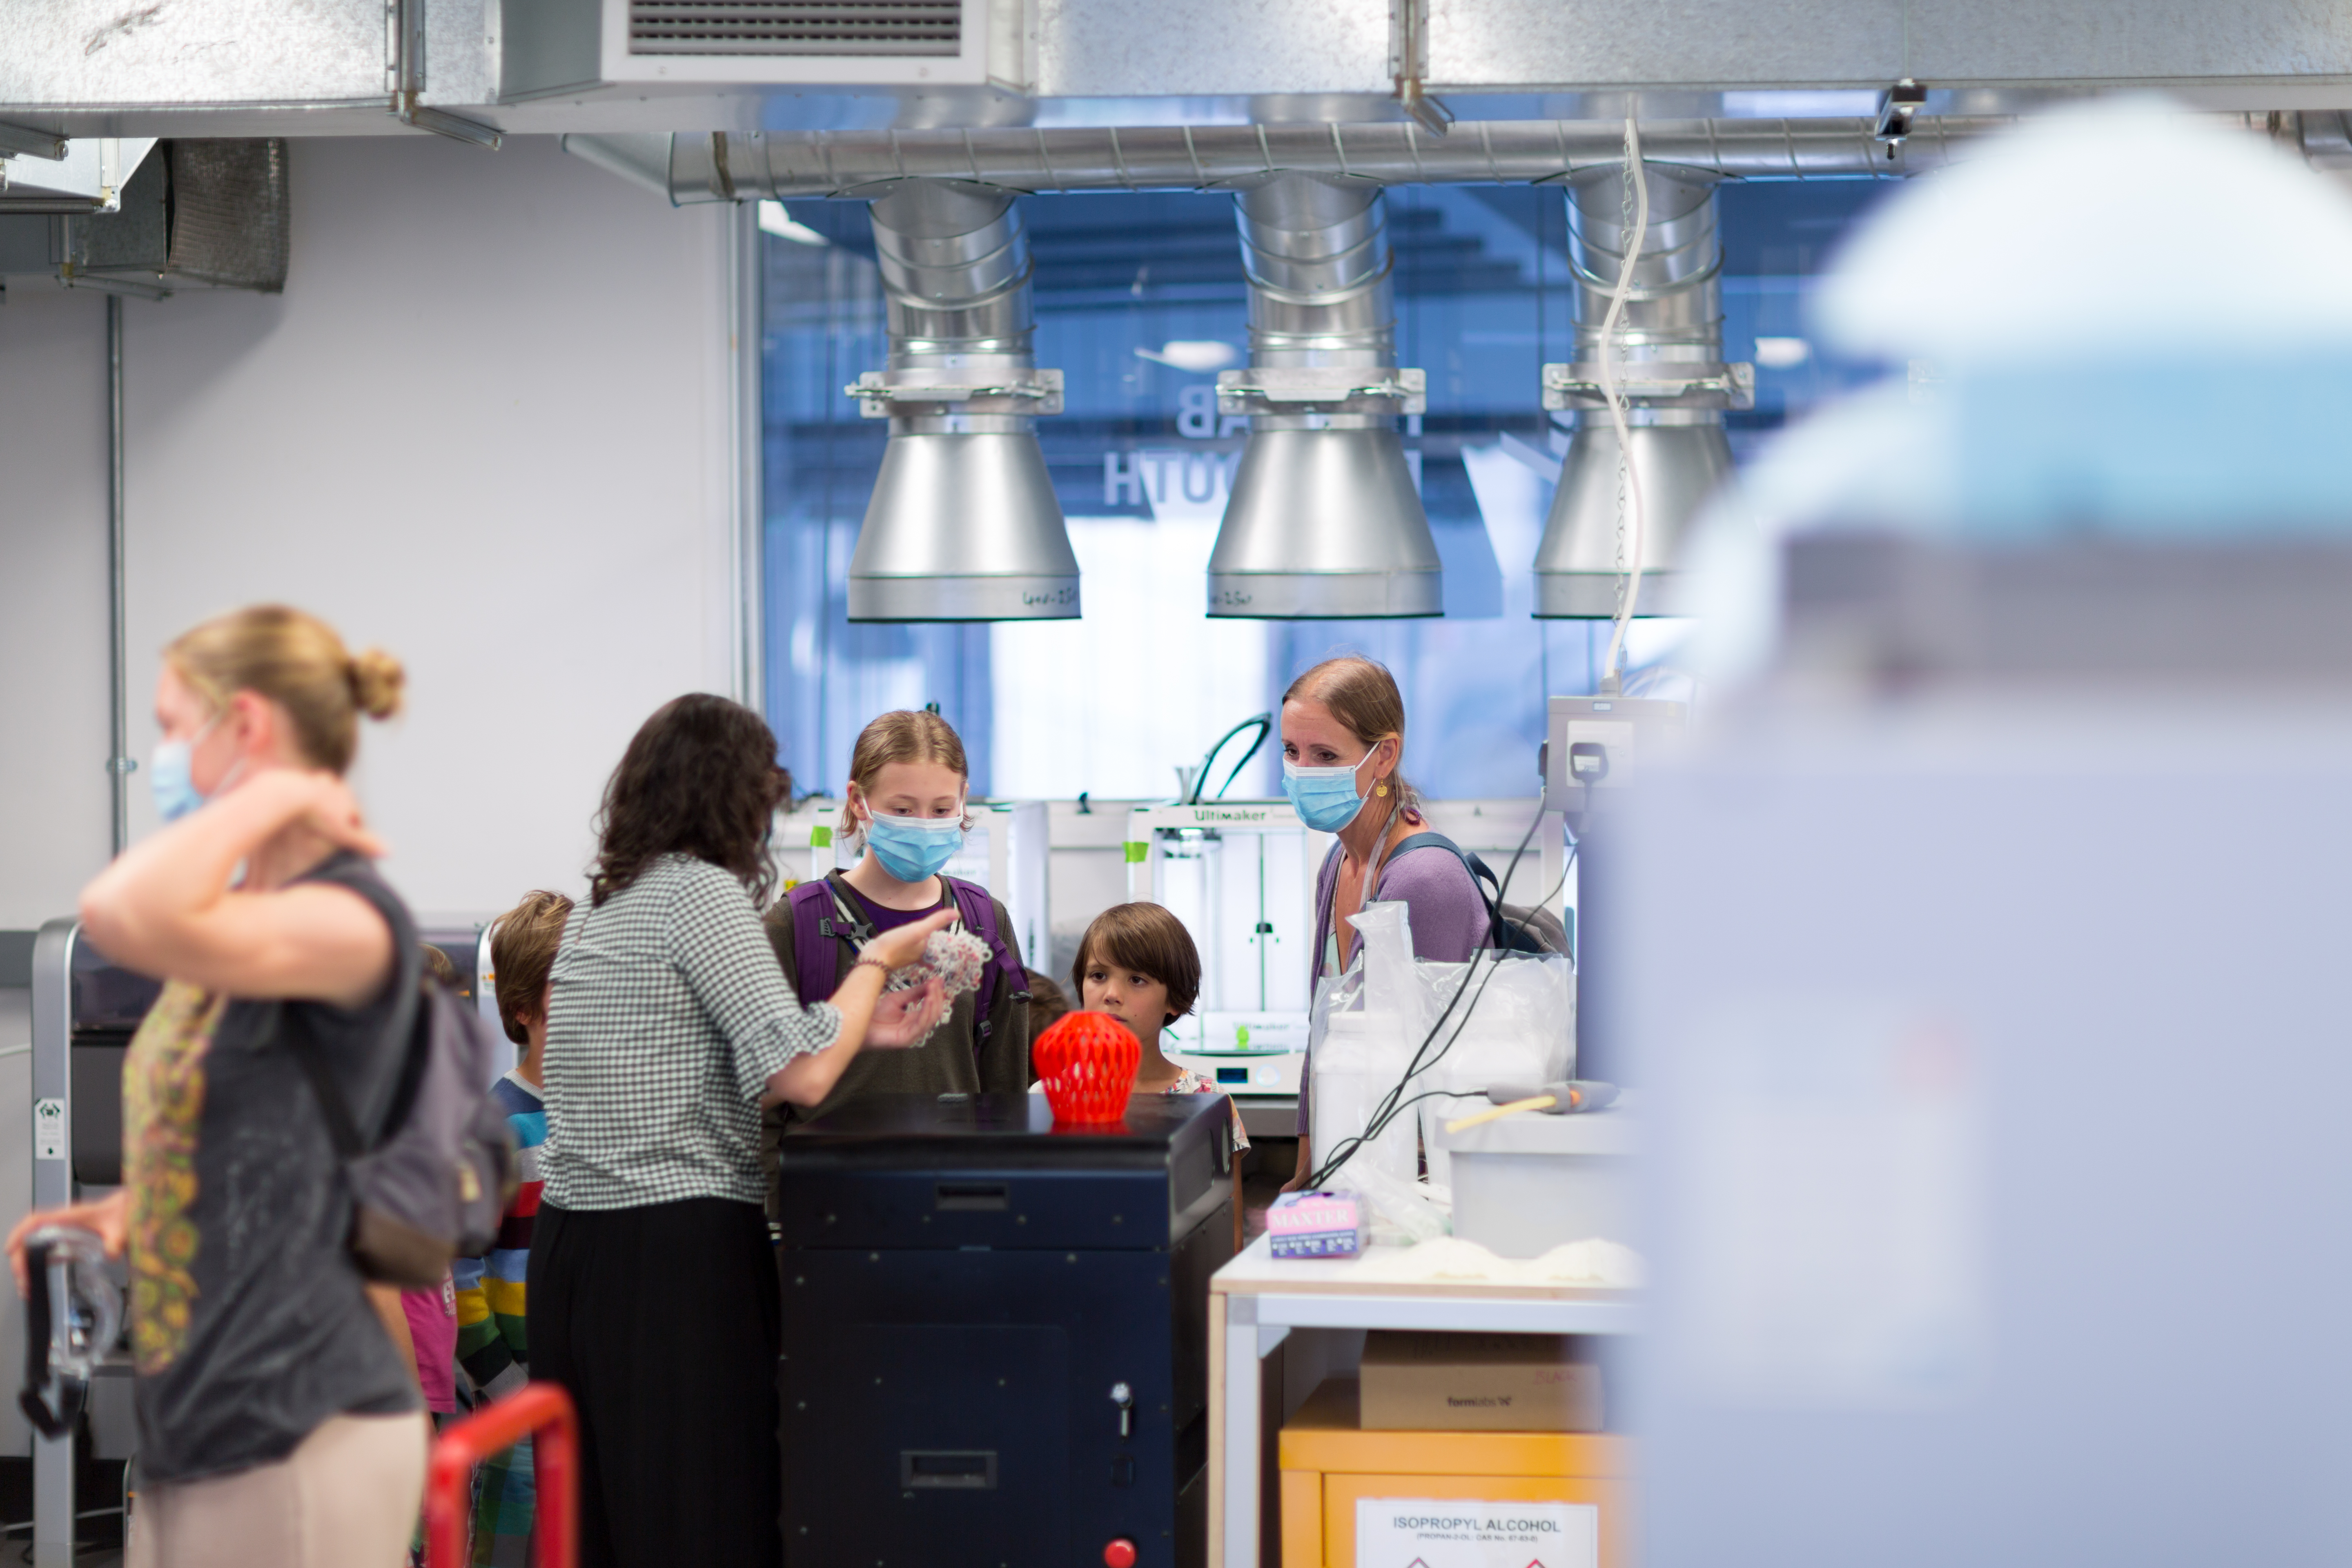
(491, 1342)
(1191, 1082)
(249, 1322)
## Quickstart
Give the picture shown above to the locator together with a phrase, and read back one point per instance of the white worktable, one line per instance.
(1255, 1301)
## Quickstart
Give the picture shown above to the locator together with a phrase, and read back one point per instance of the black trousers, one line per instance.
(663, 1324)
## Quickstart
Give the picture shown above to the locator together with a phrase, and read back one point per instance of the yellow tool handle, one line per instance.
(1496, 1113)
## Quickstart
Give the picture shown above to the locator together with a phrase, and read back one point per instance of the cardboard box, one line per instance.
(1436, 1382)
(1331, 1468)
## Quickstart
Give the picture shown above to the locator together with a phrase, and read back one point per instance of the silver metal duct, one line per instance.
(788, 164)
(963, 524)
(1323, 520)
(54, 175)
(1672, 374)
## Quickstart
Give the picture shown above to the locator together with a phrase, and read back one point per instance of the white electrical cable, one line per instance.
(1612, 670)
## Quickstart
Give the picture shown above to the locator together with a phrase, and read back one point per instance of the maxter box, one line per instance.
(1315, 1224)
(1438, 1381)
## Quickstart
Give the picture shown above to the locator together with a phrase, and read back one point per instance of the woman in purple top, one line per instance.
(1342, 735)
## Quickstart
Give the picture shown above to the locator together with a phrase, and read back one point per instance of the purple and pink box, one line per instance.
(1315, 1224)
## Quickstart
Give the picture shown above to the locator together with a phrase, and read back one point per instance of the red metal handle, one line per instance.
(540, 1410)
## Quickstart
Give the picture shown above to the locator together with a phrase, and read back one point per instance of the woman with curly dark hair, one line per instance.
(652, 1294)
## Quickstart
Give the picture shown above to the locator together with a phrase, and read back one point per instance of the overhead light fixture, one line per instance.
(1324, 520)
(1671, 373)
(963, 524)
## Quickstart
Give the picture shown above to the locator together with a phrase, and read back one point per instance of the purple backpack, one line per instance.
(818, 930)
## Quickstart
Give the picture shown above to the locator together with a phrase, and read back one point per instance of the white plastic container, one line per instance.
(1529, 1183)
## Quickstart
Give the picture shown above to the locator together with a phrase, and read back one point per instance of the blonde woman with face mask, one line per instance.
(905, 817)
(279, 1427)
(1342, 740)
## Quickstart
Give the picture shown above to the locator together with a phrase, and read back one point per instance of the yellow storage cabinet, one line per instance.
(1329, 1464)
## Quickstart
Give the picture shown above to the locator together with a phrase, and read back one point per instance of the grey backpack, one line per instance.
(436, 1185)
(1513, 928)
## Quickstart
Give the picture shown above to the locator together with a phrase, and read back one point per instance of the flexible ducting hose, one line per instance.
(1629, 477)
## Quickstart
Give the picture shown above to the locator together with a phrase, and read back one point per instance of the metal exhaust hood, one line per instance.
(1676, 384)
(963, 524)
(1324, 520)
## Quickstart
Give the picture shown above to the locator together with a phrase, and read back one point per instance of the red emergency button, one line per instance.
(1119, 1553)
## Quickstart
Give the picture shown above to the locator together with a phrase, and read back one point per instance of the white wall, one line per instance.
(53, 717)
(486, 426)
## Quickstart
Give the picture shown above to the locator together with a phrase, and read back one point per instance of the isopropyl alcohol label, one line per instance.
(1451, 1532)
(48, 1129)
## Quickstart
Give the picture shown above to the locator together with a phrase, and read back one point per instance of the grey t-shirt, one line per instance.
(249, 1322)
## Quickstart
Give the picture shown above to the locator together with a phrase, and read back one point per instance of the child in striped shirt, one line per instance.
(491, 1343)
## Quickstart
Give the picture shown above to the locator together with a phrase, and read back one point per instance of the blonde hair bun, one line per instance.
(298, 661)
(377, 682)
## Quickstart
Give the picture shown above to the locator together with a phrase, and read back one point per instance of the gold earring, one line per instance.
(1381, 787)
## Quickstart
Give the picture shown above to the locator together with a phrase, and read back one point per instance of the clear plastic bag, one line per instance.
(1358, 1059)
(1365, 1026)
(1404, 1210)
(1514, 1024)
(1357, 1052)
(1517, 1025)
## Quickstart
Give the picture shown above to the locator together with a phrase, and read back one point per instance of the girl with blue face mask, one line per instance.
(905, 817)
(1342, 735)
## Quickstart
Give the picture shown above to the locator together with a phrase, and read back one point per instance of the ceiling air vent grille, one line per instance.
(795, 26)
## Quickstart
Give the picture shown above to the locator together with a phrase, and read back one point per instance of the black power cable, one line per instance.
(1262, 724)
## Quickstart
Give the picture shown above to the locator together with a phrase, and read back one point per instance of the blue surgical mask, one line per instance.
(168, 775)
(1325, 798)
(171, 775)
(913, 848)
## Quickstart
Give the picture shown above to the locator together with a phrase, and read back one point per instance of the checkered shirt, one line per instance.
(668, 1015)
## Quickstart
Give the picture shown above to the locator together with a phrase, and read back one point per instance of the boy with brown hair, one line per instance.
(492, 1345)
(1137, 964)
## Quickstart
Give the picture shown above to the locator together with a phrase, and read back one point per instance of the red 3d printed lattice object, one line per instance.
(1086, 1063)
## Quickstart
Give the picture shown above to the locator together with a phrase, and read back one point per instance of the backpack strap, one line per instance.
(408, 980)
(342, 1128)
(816, 951)
(1480, 873)
(978, 910)
(824, 918)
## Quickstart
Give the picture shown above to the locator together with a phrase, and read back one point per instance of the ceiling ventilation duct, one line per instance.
(42, 172)
(963, 525)
(1324, 520)
(192, 215)
(1676, 384)
(787, 165)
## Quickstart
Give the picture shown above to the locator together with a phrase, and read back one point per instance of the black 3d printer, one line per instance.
(995, 1333)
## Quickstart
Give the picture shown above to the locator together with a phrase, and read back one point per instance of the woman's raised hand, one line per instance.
(906, 1017)
(897, 949)
(328, 808)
